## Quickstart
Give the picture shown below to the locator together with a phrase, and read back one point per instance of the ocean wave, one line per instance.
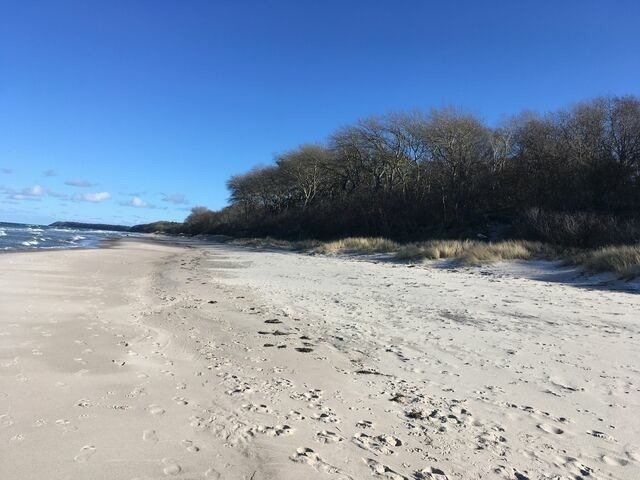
(33, 237)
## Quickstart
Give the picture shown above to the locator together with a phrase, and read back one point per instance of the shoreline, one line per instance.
(106, 243)
(216, 361)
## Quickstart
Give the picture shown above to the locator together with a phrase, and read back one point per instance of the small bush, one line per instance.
(306, 245)
(579, 229)
(411, 251)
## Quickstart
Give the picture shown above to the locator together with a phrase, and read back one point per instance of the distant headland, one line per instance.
(162, 227)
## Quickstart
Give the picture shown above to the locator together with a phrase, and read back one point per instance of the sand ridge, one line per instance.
(151, 361)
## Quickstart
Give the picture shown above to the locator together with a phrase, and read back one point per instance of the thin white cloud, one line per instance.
(50, 173)
(6, 171)
(35, 191)
(21, 196)
(137, 202)
(78, 183)
(175, 198)
(96, 197)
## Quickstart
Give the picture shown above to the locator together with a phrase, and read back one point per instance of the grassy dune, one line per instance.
(623, 260)
(472, 252)
(358, 245)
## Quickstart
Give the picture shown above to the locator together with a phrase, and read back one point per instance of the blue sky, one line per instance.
(132, 111)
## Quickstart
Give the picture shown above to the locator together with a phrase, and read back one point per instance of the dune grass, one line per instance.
(622, 260)
(482, 253)
(358, 245)
(472, 252)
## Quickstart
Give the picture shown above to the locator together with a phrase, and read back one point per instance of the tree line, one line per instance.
(571, 176)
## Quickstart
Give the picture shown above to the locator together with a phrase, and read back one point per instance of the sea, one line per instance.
(17, 236)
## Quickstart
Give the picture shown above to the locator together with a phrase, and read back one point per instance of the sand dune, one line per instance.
(148, 361)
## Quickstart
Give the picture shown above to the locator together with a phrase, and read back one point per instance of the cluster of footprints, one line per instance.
(420, 413)
(376, 446)
(235, 429)
(279, 335)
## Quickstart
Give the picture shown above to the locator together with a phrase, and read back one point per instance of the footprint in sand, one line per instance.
(364, 424)
(63, 422)
(6, 420)
(150, 436)
(188, 444)
(430, 473)
(212, 473)
(262, 408)
(604, 436)
(327, 436)
(304, 349)
(156, 410)
(620, 462)
(550, 429)
(171, 467)
(275, 431)
(85, 454)
(181, 400)
(380, 470)
(633, 454)
(311, 458)
(379, 444)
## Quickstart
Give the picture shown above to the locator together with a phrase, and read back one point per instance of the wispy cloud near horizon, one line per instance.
(96, 197)
(136, 202)
(35, 192)
(49, 173)
(78, 183)
(6, 171)
(175, 198)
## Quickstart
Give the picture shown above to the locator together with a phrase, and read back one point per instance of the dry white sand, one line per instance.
(150, 361)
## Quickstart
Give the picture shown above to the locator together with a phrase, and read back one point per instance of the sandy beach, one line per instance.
(150, 360)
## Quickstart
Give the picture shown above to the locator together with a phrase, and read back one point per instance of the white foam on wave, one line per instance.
(3, 233)
(30, 243)
(77, 237)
